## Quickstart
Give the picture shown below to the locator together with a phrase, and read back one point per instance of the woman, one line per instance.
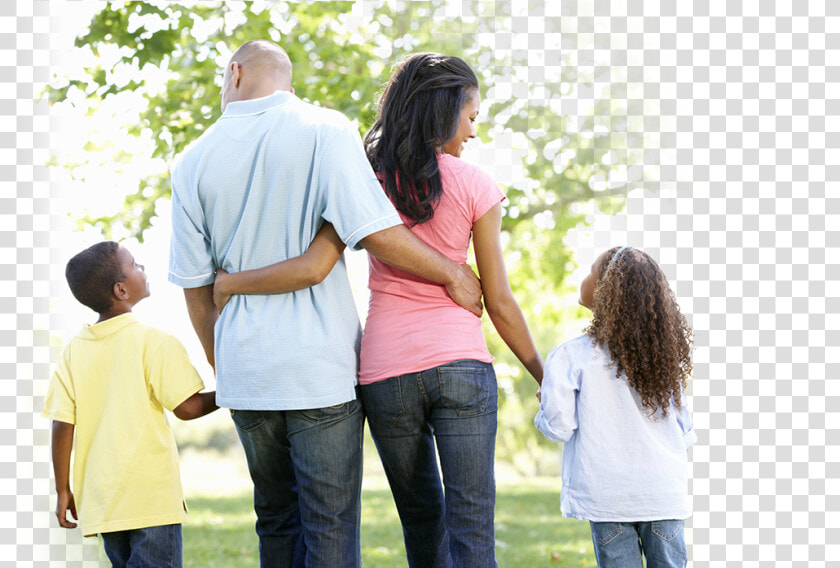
(426, 373)
(425, 370)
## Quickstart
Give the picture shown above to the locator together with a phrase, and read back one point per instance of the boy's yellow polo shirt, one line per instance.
(113, 381)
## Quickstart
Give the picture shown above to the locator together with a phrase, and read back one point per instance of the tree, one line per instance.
(343, 54)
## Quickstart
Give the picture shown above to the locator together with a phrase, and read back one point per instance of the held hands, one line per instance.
(66, 501)
(220, 297)
(466, 290)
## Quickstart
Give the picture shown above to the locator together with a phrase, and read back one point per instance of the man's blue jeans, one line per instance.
(455, 406)
(621, 545)
(306, 466)
(153, 547)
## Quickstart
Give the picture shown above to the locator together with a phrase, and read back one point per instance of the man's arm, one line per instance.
(203, 315)
(401, 248)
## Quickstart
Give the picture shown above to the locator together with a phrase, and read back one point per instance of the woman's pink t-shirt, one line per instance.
(412, 323)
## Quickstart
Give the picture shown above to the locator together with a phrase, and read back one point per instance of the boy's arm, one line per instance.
(62, 446)
(196, 406)
(289, 275)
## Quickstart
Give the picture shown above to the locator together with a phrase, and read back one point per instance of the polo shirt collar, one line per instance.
(257, 106)
(107, 327)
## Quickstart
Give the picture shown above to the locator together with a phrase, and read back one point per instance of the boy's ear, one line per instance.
(120, 291)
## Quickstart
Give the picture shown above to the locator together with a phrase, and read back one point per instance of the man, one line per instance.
(253, 190)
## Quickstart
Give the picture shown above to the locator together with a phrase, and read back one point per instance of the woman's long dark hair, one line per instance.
(418, 113)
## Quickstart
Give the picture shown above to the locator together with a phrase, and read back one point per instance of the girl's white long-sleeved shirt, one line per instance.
(618, 464)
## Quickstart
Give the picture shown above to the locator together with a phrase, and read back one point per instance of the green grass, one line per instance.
(529, 529)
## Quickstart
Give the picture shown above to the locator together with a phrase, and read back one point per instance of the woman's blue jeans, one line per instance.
(621, 545)
(306, 466)
(152, 547)
(455, 407)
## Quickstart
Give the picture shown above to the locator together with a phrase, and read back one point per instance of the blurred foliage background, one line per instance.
(564, 147)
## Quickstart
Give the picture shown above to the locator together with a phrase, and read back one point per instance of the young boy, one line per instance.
(110, 387)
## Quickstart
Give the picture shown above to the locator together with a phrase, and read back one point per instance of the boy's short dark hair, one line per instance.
(92, 274)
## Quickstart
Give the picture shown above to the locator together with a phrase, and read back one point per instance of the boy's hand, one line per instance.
(66, 501)
(220, 298)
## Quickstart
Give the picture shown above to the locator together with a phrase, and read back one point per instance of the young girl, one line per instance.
(615, 397)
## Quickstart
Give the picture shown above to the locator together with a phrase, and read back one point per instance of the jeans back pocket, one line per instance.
(468, 387)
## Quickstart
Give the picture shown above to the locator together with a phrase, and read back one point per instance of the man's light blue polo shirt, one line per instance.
(252, 191)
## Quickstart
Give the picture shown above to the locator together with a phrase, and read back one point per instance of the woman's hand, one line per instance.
(220, 296)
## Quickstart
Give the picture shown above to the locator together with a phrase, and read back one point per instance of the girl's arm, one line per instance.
(498, 299)
(290, 275)
(557, 417)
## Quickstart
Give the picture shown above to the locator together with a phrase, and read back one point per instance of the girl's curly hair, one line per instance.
(636, 318)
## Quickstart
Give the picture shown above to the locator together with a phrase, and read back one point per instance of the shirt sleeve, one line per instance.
(487, 194)
(60, 403)
(355, 203)
(686, 423)
(191, 263)
(172, 377)
(557, 417)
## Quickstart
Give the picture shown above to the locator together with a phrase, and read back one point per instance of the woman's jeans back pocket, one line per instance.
(468, 387)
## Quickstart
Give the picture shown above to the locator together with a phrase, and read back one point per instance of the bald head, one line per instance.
(257, 69)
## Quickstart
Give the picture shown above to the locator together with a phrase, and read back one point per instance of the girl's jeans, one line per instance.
(621, 545)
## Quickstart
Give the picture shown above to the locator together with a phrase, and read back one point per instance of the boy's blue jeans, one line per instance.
(306, 466)
(453, 406)
(621, 545)
(152, 547)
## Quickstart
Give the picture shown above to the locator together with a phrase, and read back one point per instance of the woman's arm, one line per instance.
(290, 275)
(498, 299)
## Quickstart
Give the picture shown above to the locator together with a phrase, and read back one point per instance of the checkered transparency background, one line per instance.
(739, 107)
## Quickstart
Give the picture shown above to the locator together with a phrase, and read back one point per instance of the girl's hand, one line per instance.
(220, 296)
